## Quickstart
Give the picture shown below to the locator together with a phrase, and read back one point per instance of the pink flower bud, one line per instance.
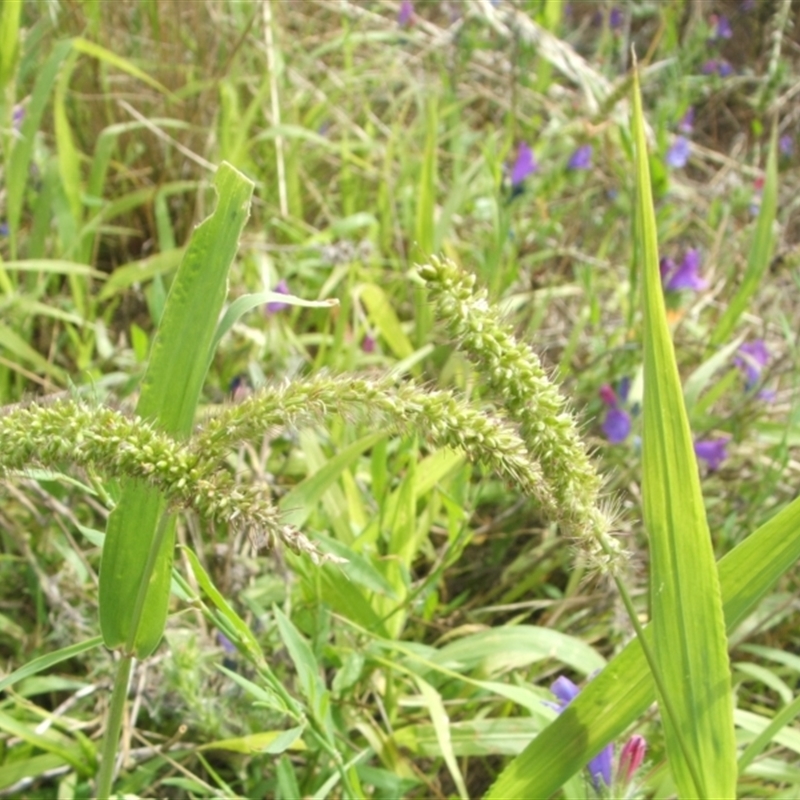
(631, 757)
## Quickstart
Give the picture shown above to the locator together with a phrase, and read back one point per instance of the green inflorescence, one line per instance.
(531, 439)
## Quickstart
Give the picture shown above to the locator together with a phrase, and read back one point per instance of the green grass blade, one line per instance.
(9, 41)
(688, 633)
(137, 556)
(19, 163)
(688, 625)
(14, 344)
(101, 54)
(239, 307)
(51, 742)
(624, 690)
(37, 665)
(760, 255)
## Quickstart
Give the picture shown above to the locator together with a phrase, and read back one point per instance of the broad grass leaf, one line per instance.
(690, 645)
(138, 551)
(622, 692)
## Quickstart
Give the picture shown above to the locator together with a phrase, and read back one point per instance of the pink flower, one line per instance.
(630, 759)
(405, 16)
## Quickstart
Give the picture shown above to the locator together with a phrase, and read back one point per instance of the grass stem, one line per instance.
(105, 776)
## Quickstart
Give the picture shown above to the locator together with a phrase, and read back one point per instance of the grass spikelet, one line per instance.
(443, 418)
(518, 382)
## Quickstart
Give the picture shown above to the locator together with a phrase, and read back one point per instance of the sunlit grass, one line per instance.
(420, 670)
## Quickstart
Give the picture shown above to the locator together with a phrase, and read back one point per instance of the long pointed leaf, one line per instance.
(622, 692)
(138, 551)
(688, 625)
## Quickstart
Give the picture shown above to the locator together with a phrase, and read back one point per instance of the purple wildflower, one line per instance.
(405, 16)
(717, 65)
(684, 275)
(368, 344)
(600, 766)
(581, 158)
(630, 759)
(712, 451)
(722, 27)
(786, 145)
(686, 125)
(615, 18)
(678, 154)
(274, 306)
(3, 229)
(524, 165)
(617, 423)
(225, 643)
(753, 357)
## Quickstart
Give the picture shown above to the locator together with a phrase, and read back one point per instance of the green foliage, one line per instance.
(430, 464)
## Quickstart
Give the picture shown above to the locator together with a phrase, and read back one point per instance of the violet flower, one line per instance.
(524, 165)
(722, 27)
(405, 15)
(684, 275)
(717, 65)
(274, 306)
(581, 158)
(225, 643)
(712, 451)
(616, 425)
(786, 145)
(3, 229)
(600, 766)
(753, 357)
(615, 18)
(678, 154)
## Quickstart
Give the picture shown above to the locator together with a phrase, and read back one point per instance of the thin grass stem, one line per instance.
(108, 758)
